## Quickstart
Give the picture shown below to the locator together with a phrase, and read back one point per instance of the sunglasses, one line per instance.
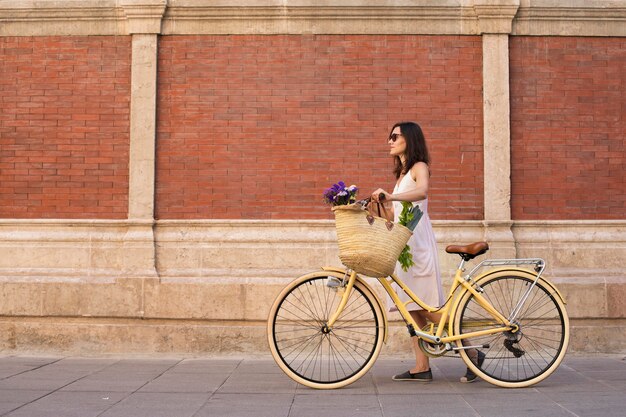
(394, 136)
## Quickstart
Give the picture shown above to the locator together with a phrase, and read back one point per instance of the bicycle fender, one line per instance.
(340, 273)
(335, 269)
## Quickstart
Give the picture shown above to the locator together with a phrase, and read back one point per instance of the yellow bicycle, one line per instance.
(326, 329)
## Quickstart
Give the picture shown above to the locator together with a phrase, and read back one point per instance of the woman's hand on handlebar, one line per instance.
(380, 195)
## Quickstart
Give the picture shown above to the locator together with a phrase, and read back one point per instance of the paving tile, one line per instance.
(596, 404)
(53, 375)
(69, 404)
(8, 369)
(21, 395)
(173, 387)
(38, 382)
(157, 405)
(206, 366)
(572, 382)
(83, 364)
(247, 405)
(258, 384)
(613, 375)
(325, 404)
(257, 366)
(28, 361)
(362, 386)
(6, 407)
(427, 405)
(131, 366)
(511, 404)
(122, 376)
(185, 382)
(11, 399)
(584, 364)
(619, 386)
(110, 383)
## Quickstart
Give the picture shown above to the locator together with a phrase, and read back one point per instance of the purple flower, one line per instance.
(339, 194)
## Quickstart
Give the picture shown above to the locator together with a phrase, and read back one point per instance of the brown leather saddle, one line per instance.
(468, 252)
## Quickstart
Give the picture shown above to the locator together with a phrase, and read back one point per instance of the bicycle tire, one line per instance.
(515, 359)
(308, 353)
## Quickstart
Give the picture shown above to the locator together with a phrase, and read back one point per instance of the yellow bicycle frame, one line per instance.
(448, 308)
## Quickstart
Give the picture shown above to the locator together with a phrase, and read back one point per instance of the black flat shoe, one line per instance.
(470, 376)
(425, 376)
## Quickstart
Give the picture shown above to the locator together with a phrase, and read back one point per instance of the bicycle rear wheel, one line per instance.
(313, 355)
(520, 358)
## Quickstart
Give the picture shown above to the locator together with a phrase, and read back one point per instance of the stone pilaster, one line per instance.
(497, 138)
(143, 127)
(495, 20)
(144, 24)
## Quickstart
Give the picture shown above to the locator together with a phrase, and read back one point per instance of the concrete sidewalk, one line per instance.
(173, 387)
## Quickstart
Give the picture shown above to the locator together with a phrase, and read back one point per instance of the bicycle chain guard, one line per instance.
(431, 349)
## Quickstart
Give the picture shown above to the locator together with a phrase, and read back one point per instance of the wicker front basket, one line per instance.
(369, 249)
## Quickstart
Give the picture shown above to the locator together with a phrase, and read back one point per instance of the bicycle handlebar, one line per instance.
(366, 201)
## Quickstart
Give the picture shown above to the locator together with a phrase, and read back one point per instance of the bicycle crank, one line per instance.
(431, 349)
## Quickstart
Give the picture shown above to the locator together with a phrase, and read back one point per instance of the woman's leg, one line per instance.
(421, 361)
(422, 318)
(421, 370)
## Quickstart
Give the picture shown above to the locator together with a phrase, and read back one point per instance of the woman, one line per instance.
(411, 168)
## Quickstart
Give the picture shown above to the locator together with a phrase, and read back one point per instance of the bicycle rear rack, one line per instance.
(539, 263)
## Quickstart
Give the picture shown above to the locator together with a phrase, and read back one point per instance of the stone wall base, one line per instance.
(207, 287)
(87, 337)
(193, 318)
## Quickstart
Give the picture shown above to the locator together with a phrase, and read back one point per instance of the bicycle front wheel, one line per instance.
(519, 358)
(314, 355)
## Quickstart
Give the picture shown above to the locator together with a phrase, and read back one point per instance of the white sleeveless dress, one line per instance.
(423, 278)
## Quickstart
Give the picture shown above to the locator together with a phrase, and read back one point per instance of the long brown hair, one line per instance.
(416, 149)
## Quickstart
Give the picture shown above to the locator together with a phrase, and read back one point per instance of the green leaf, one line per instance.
(405, 218)
(406, 258)
(407, 213)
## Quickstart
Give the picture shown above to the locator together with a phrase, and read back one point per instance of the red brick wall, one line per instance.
(568, 128)
(258, 126)
(64, 126)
